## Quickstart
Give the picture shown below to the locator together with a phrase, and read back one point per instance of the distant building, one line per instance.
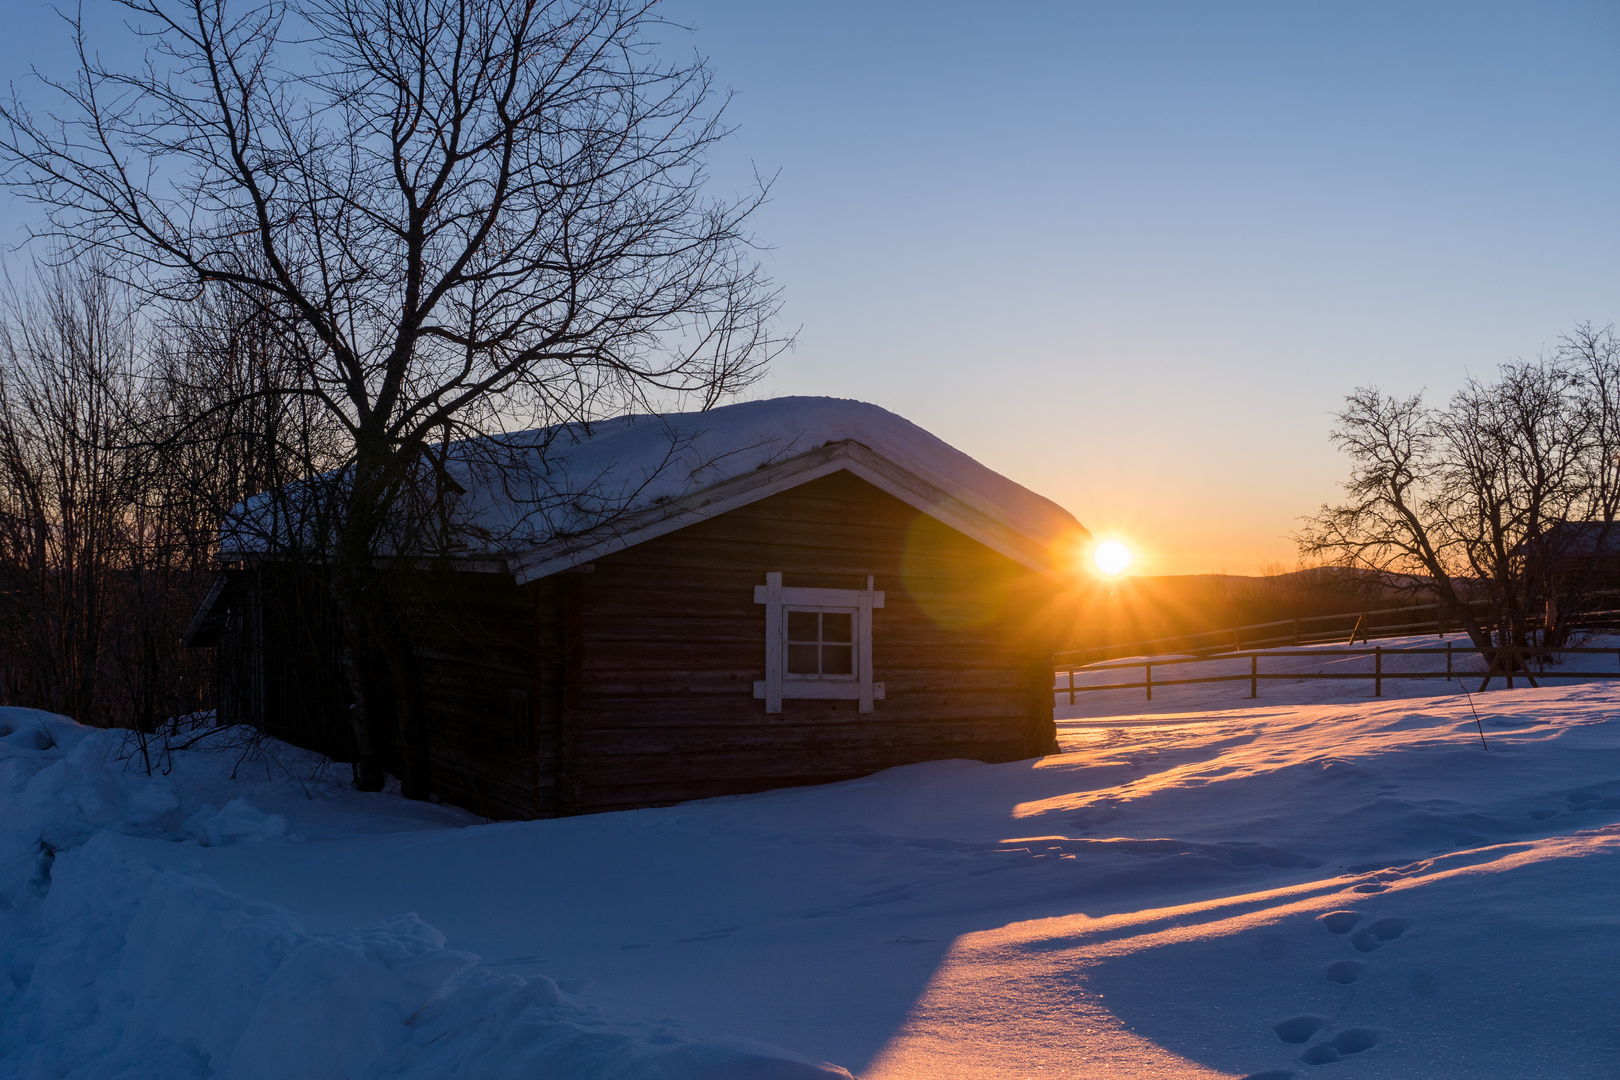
(767, 594)
(1580, 561)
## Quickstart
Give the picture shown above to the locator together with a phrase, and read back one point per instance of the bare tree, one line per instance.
(473, 215)
(1489, 498)
(65, 372)
(101, 561)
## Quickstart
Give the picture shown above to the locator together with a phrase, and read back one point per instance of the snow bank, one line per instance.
(114, 963)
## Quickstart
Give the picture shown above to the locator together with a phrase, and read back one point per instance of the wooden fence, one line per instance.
(1312, 630)
(1505, 662)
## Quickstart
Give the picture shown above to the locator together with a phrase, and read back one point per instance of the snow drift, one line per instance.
(113, 964)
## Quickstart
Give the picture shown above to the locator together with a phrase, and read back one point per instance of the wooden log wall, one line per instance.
(669, 642)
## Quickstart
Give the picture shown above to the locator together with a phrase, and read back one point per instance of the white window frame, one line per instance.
(779, 683)
(788, 641)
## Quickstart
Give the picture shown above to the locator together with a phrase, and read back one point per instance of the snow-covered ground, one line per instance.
(1272, 888)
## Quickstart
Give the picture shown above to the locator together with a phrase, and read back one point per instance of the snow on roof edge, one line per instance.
(636, 463)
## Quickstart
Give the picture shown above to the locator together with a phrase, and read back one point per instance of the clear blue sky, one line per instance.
(1133, 254)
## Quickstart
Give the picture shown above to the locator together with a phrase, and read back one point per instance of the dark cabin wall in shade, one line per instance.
(481, 662)
(477, 639)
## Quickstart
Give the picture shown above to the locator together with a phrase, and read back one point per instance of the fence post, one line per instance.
(1510, 662)
(1150, 682)
(1448, 661)
(1071, 686)
(1254, 675)
(1378, 671)
(1296, 633)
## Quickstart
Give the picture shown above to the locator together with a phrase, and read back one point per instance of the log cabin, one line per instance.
(766, 594)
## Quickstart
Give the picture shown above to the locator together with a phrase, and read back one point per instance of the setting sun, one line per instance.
(1111, 557)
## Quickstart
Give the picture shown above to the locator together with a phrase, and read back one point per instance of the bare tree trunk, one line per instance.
(368, 764)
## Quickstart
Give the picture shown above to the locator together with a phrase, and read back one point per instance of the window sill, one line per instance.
(821, 689)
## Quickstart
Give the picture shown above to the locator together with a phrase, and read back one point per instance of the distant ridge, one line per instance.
(1149, 607)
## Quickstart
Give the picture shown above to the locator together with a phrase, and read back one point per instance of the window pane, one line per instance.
(802, 627)
(838, 659)
(837, 626)
(801, 659)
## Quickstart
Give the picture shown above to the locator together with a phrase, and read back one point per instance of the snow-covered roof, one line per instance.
(647, 475)
(584, 490)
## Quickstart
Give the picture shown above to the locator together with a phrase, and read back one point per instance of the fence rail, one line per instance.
(1505, 662)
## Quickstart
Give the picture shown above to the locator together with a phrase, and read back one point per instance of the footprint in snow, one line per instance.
(1347, 1042)
(1345, 972)
(1370, 938)
(1374, 936)
(1301, 1029)
(1339, 922)
(1298, 1029)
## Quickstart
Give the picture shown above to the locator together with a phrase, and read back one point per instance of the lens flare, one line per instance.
(1111, 558)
